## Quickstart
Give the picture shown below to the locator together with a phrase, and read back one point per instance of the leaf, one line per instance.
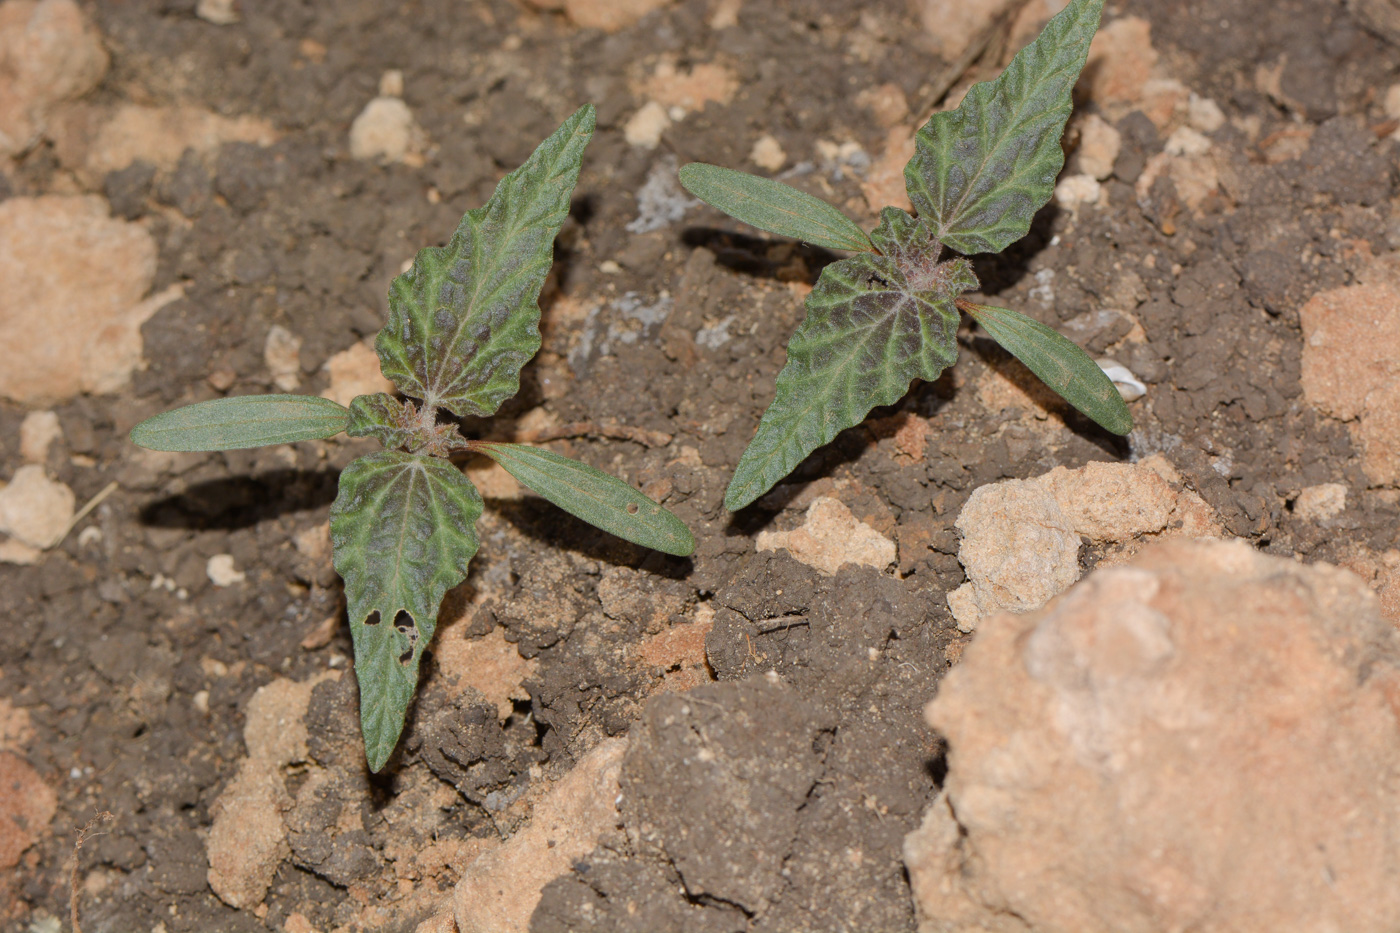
(464, 318)
(403, 531)
(244, 421)
(773, 206)
(594, 496)
(1059, 363)
(980, 172)
(874, 324)
(382, 417)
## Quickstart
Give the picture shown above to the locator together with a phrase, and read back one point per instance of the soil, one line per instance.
(818, 681)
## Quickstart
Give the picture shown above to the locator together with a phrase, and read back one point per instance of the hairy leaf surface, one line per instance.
(874, 324)
(403, 530)
(596, 497)
(244, 421)
(980, 172)
(773, 206)
(1059, 363)
(382, 417)
(464, 319)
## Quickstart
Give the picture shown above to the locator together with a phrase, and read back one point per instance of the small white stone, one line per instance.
(282, 354)
(1321, 502)
(201, 701)
(385, 130)
(645, 127)
(34, 509)
(218, 12)
(37, 433)
(222, 572)
(768, 154)
(1128, 385)
(1186, 142)
(1099, 145)
(89, 536)
(391, 83)
(1075, 190)
(1204, 114)
(1392, 102)
(609, 267)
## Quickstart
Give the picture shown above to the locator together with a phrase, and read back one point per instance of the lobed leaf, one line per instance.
(594, 496)
(980, 172)
(773, 206)
(874, 324)
(464, 318)
(243, 421)
(1059, 363)
(403, 531)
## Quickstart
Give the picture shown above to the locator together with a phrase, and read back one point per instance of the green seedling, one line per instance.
(888, 315)
(462, 322)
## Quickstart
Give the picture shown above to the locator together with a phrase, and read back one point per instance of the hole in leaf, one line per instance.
(404, 623)
(406, 657)
(372, 618)
(631, 508)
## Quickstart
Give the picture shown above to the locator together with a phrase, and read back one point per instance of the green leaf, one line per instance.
(874, 324)
(1060, 364)
(594, 496)
(464, 319)
(773, 206)
(244, 421)
(980, 172)
(403, 531)
(382, 417)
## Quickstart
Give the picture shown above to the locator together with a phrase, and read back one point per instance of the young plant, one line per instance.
(878, 320)
(462, 322)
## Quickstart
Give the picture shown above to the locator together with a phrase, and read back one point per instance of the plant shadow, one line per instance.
(546, 523)
(238, 502)
(762, 257)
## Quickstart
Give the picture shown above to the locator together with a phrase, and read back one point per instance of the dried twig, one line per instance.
(87, 831)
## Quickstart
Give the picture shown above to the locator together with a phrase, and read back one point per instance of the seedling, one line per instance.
(462, 322)
(878, 320)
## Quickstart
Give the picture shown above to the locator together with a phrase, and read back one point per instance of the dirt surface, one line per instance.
(134, 671)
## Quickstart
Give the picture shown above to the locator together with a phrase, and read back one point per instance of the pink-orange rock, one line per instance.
(501, 888)
(355, 371)
(27, 805)
(73, 280)
(1121, 61)
(830, 537)
(49, 54)
(1351, 364)
(1206, 739)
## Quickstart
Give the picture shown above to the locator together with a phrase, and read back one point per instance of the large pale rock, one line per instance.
(1204, 739)
(34, 509)
(49, 54)
(1020, 538)
(355, 371)
(99, 143)
(248, 839)
(1351, 363)
(37, 433)
(73, 280)
(500, 890)
(830, 537)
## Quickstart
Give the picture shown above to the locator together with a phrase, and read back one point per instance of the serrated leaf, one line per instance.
(773, 206)
(244, 421)
(403, 531)
(1059, 363)
(382, 417)
(596, 497)
(980, 172)
(874, 324)
(464, 318)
